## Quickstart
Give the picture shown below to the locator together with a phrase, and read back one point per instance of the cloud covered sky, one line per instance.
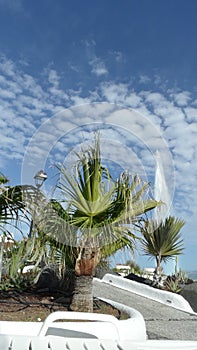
(129, 68)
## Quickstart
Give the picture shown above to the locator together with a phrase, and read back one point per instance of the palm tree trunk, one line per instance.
(83, 297)
(158, 271)
(159, 267)
(86, 262)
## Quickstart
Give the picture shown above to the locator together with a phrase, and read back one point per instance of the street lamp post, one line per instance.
(39, 178)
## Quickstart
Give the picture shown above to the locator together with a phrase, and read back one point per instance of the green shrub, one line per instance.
(20, 282)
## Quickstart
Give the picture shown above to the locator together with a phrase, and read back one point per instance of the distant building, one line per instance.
(148, 272)
(122, 269)
(7, 241)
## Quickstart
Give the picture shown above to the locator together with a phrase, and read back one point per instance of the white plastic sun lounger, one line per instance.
(19, 342)
(96, 332)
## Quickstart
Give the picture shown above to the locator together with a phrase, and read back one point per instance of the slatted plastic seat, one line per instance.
(5, 341)
(19, 342)
(107, 334)
(54, 343)
(84, 344)
(48, 336)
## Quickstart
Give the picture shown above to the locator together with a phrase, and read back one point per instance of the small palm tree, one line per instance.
(162, 242)
(12, 210)
(11, 203)
(16, 204)
(96, 218)
(3, 179)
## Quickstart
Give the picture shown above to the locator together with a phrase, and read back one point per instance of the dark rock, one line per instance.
(67, 283)
(48, 279)
(189, 281)
(139, 279)
(189, 292)
(63, 300)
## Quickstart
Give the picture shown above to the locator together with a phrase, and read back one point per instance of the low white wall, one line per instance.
(164, 297)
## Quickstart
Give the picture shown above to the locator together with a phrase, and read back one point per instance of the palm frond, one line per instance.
(97, 209)
(163, 240)
(12, 207)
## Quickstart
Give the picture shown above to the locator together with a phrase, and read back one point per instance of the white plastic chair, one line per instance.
(83, 344)
(78, 316)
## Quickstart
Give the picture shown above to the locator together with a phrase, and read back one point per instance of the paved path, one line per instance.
(162, 322)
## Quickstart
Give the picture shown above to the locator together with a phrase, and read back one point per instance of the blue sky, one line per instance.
(135, 59)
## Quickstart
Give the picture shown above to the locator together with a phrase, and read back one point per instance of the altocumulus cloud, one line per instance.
(27, 103)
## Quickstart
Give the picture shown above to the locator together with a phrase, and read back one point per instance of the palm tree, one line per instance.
(11, 203)
(3, 179)
(162, 242)
(99, 215)
(16, 203)
(12, 208)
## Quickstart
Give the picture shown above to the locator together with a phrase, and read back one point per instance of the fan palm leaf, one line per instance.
(96, 204)
(12, 207)
(163, 241)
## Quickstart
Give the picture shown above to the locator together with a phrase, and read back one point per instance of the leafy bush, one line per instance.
(15, 258)
(20, 282)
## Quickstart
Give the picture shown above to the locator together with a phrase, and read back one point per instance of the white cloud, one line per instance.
(7, 94)
(26, 103)
(144, 79)
(133, 100)
(114, 93)
(118, 55)
(73, 67)
(2, 79)
(191, 114)
(98, 66)
(194, 103)
(53, 78)
(7, 67)
(182, 98)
